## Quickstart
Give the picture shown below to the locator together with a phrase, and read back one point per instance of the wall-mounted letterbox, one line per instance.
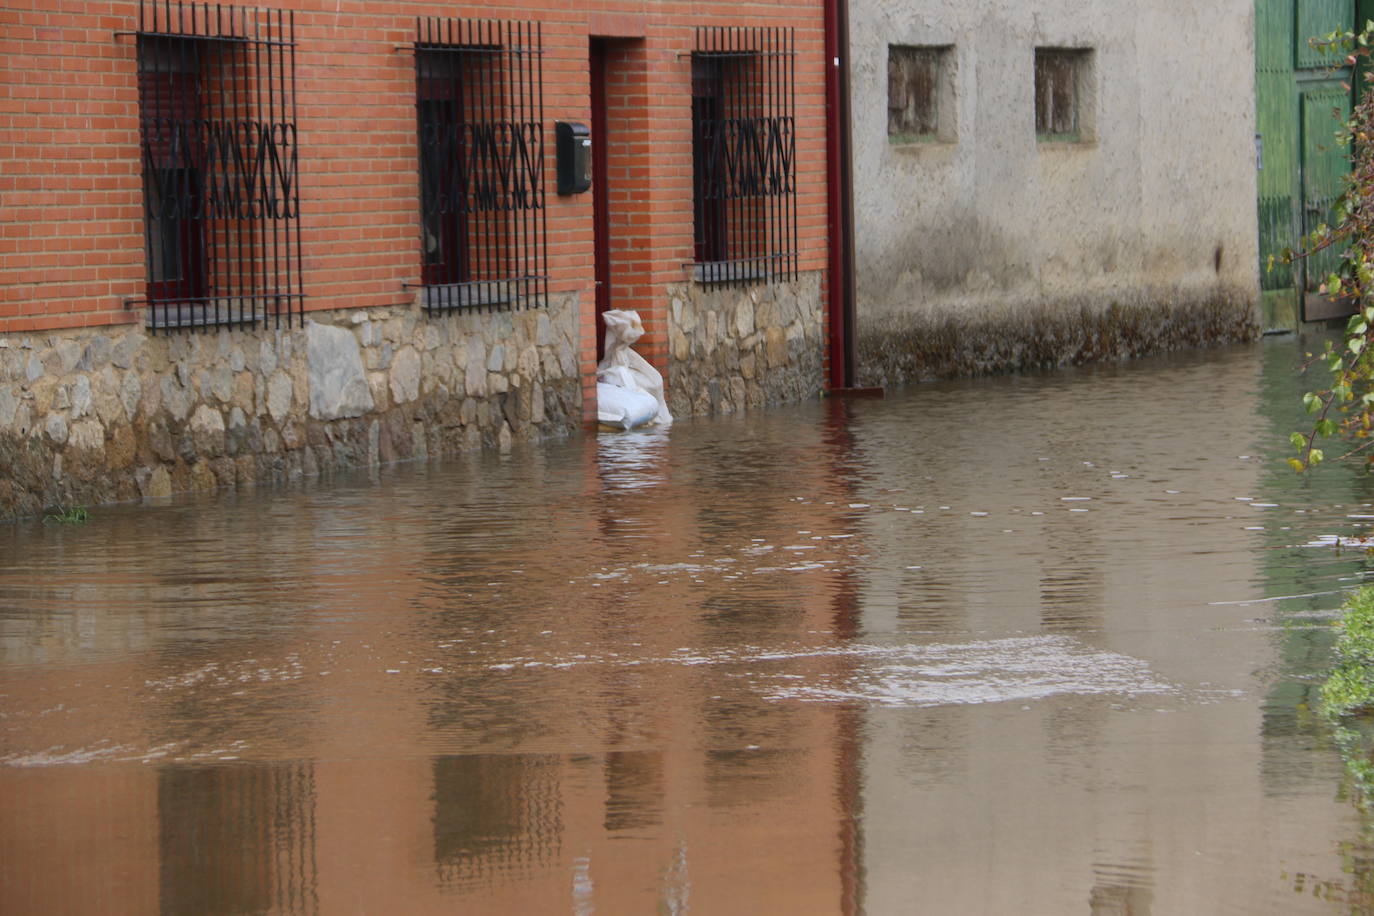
(573, 145)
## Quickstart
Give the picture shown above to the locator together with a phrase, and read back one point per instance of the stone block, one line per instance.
(267, 357)
(55, 425)
(9, 407)
(405, 376)
(207, 430)
(279, 396)
(475, 377)
(125, 349)
(378, 382)
(87, 436)
(680, 346)
(744, 318)
(496, 358)
(159, 485)
(106, 396)
(337, 382)
(97, 353)
(775, 347)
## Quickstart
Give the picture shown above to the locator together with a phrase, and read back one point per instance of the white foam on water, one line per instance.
(992, 671)
(59, 755)
(985, 671)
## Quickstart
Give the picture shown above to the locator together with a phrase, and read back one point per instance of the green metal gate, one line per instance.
(1298, 100)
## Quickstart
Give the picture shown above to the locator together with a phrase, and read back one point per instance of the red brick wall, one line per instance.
(71, 242)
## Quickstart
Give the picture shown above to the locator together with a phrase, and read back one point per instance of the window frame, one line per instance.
(219, 163)
(744, 188)
(941, 93)
(480, 157)
(1064, 77)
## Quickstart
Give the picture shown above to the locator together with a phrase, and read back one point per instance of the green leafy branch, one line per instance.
(1344, 409)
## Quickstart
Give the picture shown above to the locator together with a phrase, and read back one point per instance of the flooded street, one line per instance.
(1035, 644)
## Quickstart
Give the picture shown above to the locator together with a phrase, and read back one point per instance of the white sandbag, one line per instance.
(624, 407)
(622, 367)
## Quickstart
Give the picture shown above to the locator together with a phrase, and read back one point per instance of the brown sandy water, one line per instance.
(1037, 644)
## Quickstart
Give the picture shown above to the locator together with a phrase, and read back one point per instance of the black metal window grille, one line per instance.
(221, 196)
(480, 109)
(744, 146)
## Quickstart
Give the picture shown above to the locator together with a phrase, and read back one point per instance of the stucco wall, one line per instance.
(91, 416)
(992, 250)
(735, 348)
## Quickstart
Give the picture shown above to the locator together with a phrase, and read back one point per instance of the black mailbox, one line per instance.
(573, 144)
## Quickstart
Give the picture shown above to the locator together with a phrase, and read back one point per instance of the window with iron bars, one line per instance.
(744, 192)
(221, 199)
(479, 107)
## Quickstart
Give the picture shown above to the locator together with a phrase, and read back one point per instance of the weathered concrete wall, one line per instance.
(986, 249)
(736, 348)
(115, 414)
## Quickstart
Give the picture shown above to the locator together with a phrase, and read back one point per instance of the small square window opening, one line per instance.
(1062, 112)
(920, 105)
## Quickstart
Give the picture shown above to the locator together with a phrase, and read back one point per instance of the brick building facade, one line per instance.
(242, 243)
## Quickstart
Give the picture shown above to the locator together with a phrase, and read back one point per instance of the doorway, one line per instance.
(622, 242)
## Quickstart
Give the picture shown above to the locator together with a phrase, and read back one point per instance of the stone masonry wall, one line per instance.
(92, 416)
(733, 349)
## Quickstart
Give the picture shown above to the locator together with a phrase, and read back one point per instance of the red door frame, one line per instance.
(601, 221)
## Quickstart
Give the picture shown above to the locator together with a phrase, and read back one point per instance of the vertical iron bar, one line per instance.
(190, 209)
(230, 181)
(266, 127)
(507, 59)
(285, 189)
(543, 208)
(418, 64)
(484, 120)
(759, 154)
(732, 177)
(792, 141)
(296, 180)
(520, 201)
(259, 206)
(770, 163)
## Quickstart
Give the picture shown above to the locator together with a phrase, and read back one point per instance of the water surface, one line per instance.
(1035, 644)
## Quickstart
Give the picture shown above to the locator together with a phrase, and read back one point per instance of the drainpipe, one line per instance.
(839, 197)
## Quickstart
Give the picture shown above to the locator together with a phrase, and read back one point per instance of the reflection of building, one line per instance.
(479, 784)
(1078, 802)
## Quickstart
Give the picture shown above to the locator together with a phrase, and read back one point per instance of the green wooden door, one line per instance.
(1297, 100)
(1325, 163)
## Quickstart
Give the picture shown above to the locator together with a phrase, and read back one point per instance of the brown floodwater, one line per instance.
(1036, 644)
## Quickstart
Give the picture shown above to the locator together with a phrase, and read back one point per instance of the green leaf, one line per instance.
(1326, 428)
(1315, 456)
(1311, 402)
(1296, 465)
(1357, 345)
(1299, 440)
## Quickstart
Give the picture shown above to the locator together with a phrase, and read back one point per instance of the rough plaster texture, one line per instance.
(96, 416)
(990, 250)
(735, 348)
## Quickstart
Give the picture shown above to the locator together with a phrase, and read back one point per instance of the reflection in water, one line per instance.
(634, 790)
(1024, 644)
(496, 817)
(237, 839)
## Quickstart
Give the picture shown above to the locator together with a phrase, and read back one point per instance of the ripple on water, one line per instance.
(991, 671)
